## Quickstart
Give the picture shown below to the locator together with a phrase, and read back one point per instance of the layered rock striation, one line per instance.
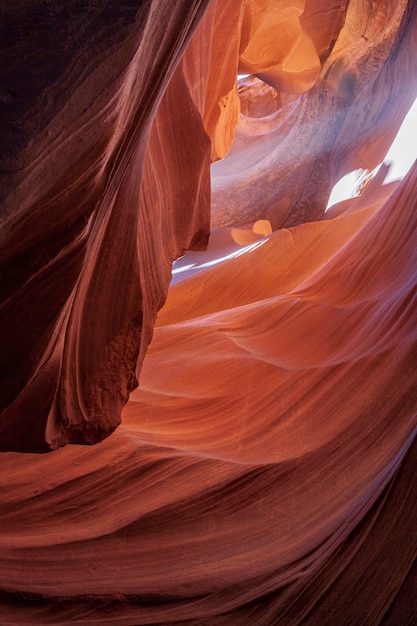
(262, 472)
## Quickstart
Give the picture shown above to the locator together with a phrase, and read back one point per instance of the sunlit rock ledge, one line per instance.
(251, 411)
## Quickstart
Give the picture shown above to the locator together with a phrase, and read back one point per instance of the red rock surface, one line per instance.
(263, 472)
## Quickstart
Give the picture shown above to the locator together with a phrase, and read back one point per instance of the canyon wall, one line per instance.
(252, 428)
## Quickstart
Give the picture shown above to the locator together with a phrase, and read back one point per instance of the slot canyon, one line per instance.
(208, 369)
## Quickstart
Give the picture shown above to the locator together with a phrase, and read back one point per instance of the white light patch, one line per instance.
(350, 185)
(233, 255)
(403, 151)
(196, 267)
(401, 156)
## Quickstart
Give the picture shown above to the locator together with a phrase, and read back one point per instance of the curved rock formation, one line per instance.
(263, 471)
(79, 243)
(284, 163)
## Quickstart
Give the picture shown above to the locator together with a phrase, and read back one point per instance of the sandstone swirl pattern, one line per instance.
(263, 472)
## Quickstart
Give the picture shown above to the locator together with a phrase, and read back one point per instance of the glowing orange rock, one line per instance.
(264, 470)
(289, 151)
